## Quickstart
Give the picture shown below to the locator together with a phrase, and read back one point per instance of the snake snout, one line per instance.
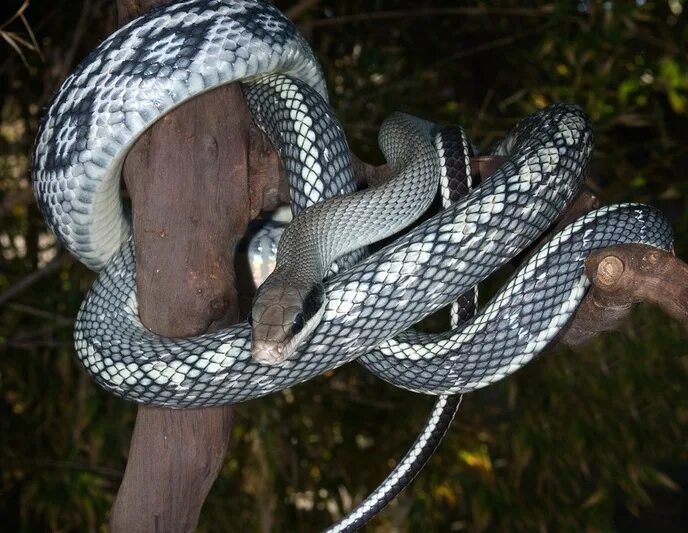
(268, 353)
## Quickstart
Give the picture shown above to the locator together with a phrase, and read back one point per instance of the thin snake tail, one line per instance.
(441, 417)
(454, 152)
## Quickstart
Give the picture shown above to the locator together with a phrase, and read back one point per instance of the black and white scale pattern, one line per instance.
(367, 305)
(178, 51)
(441, 417)
(345, 223)
(454, 152)
(316, 158)
(135, 76)
(521, 320)
(338, 226)
(307, 135)
(311, 144)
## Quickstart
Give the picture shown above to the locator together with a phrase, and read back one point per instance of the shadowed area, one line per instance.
(586, 439)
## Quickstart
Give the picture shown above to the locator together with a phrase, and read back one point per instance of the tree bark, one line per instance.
(195, 178)
(621, 277)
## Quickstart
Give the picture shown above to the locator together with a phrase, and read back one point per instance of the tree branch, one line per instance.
(372, 16)
(300, 8)
(196, 178)
(621, 277)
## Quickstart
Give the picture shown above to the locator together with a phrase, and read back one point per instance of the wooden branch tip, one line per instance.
(609, 271)
(622, 276)
(484, 166)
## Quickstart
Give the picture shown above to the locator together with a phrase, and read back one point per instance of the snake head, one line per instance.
(282, 317)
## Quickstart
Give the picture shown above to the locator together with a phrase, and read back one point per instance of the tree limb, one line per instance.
(621, 277)
(28, 281)
(300, 8)
(435, 12)
(196, 178)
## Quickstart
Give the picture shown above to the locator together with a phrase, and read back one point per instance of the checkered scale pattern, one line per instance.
(139, 73)
(454, 152)
(526, 314)
(185, 48)
(368, 304)
(346, 223)
(311, 143)
(306, 133)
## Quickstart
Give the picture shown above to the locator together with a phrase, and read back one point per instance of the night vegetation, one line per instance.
(592, 439)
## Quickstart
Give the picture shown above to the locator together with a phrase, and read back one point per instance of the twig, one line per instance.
(40, 313)
(412, 81)
(15, 40)
(371, 175)
(26, 282)
(484, 166)
(77, 34)
(30, 345)
(297, 11)
(490, 45)
(433, 12)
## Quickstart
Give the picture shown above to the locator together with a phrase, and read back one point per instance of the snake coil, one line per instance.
(175, 52)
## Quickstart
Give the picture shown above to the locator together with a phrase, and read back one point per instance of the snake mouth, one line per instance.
(268, 353)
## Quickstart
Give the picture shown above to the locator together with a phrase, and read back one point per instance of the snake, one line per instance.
(363, 308)
(454, 151)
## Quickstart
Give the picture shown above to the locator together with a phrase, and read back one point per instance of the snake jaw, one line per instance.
(271, 353)
(270, 331)
(268, 353)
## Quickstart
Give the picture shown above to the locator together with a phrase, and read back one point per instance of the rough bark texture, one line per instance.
(369, 175)
(195, 179)
(623, 276)
(185, 282)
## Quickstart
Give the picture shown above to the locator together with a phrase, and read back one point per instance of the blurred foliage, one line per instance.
(591, 440)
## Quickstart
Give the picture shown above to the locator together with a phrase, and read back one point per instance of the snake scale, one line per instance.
(364, 309)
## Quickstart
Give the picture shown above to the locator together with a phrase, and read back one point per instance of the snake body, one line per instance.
(101, 109)
(454, 152)
(180, 50)
(139, 73)
(289, 304)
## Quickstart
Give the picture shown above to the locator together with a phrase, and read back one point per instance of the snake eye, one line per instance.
(297, 324)
(249, 318)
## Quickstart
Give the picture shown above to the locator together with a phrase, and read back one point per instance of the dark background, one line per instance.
(588, 440)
